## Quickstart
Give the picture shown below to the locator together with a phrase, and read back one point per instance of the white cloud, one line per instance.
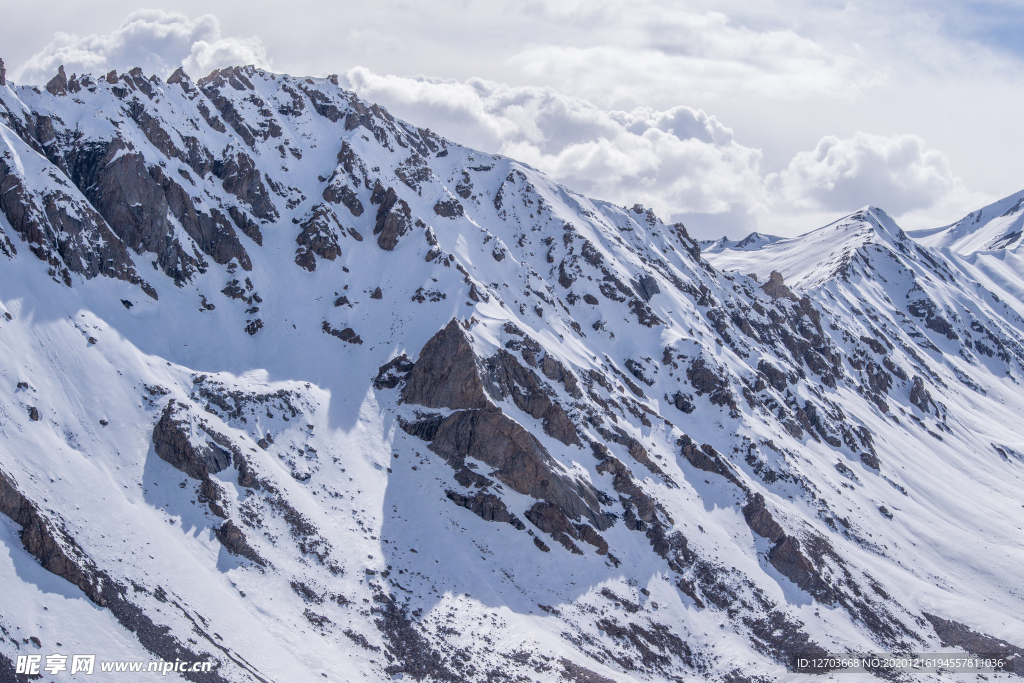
(680, 161)
(650, 50)
(899, 173)
(154, 40)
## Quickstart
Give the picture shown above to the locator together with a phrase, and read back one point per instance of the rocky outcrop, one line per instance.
(48, 542)
(707, 459)
(394, 217)
(776, 288)
(234, 541)
(506, 377)
(340, 192)
(920, 396)
(519, 461)
(446, 374)
(955, 634)
(174, 440)
(3, 73)
(319, 236)
(486, 506)
(61, 229)
(760, 520)
(58, 85)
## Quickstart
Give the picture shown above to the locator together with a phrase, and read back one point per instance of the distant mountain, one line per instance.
(997, 226)
(299, 387)
(754, 240)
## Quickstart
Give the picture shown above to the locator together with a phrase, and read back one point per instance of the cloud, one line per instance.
(899, 173)
(680, 160)
(683, 162)
(651, 50)
(154, 40)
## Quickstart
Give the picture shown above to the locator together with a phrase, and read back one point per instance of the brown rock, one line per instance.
(235, 542)
(446, 374)
(787, 557)
(520, 461)
(394, 218)
(172, 441)
(47, 542)
(486, 506)
(760, 520)
(319, 235)
(58, 85)
(920, 396)
(553, 521)
(506, 377)
(776, 288)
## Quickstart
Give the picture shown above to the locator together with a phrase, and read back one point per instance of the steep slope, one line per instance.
(999, 225)
(384, 406)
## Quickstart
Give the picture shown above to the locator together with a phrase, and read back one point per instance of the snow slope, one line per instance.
(303, 388)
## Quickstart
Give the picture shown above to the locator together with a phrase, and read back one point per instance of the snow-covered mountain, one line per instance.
(754, 240)
(998, 226)
(302, 388)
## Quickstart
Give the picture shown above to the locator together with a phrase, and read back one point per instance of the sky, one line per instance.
(728, 116)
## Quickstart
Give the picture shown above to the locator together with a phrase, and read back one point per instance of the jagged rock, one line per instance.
(392, 373)
(553, 521)
(47, 542)
(394, 217)
(789, 559)
(33, 414)
(486, 506)
(776, 288)
(505, 377)
(776, 378)
(919, 395)
(449, 208)
(342, 193)
(707, 459)
(955, 634)
(319, 236)
(446, 374)
(58, 85)
(346, 335)
(174, 440)
(520, 461)
(760, 520)
(234, 541)
(3, 73)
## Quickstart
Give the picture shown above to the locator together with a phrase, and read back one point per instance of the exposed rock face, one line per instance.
(47, 542)
(234, 541)
(919, 395)
(505, 376)
(58, 85)
(3, 73)
(449, 208)
(520, 461)
(446, 374)
(954, 634)
(173, 442)
(319, 236)
(342, 193)
(394, 218)
(789, 559)
(776, 288)
(760, 520)
(68, 234)
(487, 506)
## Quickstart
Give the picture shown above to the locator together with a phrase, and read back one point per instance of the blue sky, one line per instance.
(730, 116)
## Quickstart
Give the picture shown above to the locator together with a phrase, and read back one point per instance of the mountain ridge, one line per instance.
(366, 352)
